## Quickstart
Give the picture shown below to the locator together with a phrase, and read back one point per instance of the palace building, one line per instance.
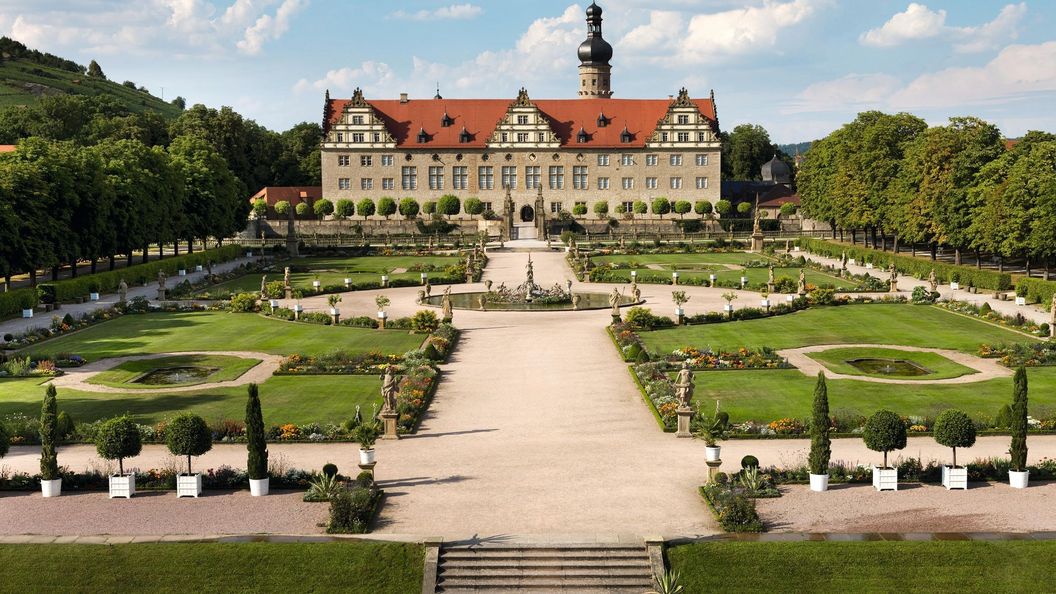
(528, 154)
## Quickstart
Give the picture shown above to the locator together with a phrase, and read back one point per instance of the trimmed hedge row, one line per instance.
(1036, 290)
(966, 275)
(13, 302)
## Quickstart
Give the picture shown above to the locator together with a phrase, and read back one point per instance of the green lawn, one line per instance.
(226, 368)
(284, 399)
(897, 324)
(360, 567)
(334, 271)
(940, 367)
(221, 331)
(941, 566)
(699, 267)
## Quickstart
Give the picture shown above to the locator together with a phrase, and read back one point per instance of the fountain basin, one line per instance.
(892, 367)
(587, 301)
(174, 376)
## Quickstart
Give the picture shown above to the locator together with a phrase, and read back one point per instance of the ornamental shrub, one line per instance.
(330, 469)
(260, 208)
(703, 207)
(744, 208)
(1003, 420)
(345, 208)
(365, 479)
(350, 511)
(820, 442)
(282, 207)
(188, 435)
(301, 209)
(1018, 449)
(474, 206)
(749, 461)
(601, 208)
(723, 207)
(429, 207)
(579, 210)
(448, 205)
(884, 432)
(365, 208)
(954, 429)
(640, 207)
(323, 207)
(64, 425)
(117, 439)
(661, 206)
(409, 208)
(682, 207)
(386, 206)
(424, 322)
(49, 459)
(244, 303)
(257, 445)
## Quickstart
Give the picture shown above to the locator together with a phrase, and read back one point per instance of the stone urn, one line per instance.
(713, 453)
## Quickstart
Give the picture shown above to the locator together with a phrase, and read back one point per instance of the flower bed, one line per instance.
(337, 363)
(732, 508)
(913, 470)
(743, 358)
(1016, 322)
(154, 479)
(1035, 354)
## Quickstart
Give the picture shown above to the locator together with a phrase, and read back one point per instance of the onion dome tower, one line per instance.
(594, 56)
(775, 171)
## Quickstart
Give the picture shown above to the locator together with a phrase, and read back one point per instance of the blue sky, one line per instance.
(798, 67)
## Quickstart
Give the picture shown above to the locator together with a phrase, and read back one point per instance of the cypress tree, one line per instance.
(257, 465)
(49, 460)
(820, 442)
(1018, 450)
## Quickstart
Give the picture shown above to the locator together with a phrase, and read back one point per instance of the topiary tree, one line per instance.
(682, 207)
(260, 208)
(49, 458)
(323, 208)
(386, 206)
(601, 208)
(640, 207)
(954, 429)
(579, 210)
(282, 207)
(188, 435)
(301, 209)
(345, 208)
(1018, 449)
(820, 425)
(474, 206)
(661, 206)
(749, 461)
(702, 208)
(365, 208)
(429, 207)
(448, 205)
(621, 209)
(118, 439)
(788, 209)
(744, 208)
(257, 463)
(884, 432)
(409, 208)
(723, 207)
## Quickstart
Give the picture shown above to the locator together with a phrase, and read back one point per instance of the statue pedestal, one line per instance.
(388, 420)
(616, 319)
(713, 469)
(369, 468)
(685, 415)
(757, 241)
(161, 294)
(289, 293)
(770, 288)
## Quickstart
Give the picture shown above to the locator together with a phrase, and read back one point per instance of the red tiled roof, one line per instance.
(7, 148)
(778, 201)
(480, 117)
(292, 194)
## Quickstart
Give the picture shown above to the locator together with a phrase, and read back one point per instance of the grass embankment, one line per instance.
(225, 368)
(334, 271)
(838, 361)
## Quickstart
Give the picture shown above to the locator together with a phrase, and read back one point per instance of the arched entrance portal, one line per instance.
(527, 214)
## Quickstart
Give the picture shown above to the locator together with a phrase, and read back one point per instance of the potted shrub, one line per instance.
(885, 431)
(820, 442)
(366, 434)
(27, 303)
(729, 296)
(954, 429)
(118, 439)
(955, 280)
(188, 435)
(1018, 475)
(712, 431)
(680, 298)
(1021, 295)
(93, 290)
(333, 300)
(382, 302)
(50, 479)
(257, 464)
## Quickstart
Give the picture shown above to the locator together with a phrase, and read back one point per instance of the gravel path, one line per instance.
(987, 369)
(76, 378)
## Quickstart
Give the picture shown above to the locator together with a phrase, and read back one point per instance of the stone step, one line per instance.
(534, 572)
(545, 554)
(577, 584)
(543, 563)
(637, 589)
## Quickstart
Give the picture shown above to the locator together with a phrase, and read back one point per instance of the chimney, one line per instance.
(403, 98)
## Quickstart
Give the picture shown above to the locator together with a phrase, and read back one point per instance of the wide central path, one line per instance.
(538, 429)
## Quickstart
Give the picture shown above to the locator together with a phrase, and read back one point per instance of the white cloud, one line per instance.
(851, 91)
(658, 33)
(743, 30)
(372, 75)
(269, 28)
(453, 12)
(919, 22)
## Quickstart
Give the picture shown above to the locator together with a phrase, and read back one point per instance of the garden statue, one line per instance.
(445, 306)
(487, 285)
(568, 284)
(788, 246)
(770, 275)
(802, 282)
(122, 291)
(684, 386)
(161, 280)
(286, 278)
(893, 282)
(447, 291)
(263, 287)
(621, 242)
(421, 296)
(483, 301)
(843, 261)
(636, 293)
(575, 300)
(548, 246)
(933, 282)
(614, 301)
(1052, 317)
(530, 275)
(390, 387)
(428, 288)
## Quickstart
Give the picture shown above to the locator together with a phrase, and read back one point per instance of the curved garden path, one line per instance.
(77, 378)
(986, 369)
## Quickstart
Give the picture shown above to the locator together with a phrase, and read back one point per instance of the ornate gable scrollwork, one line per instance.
(683, 99)
(683, 126)
(522, 99)
(523, 126)
(357, 99)
(358, 127)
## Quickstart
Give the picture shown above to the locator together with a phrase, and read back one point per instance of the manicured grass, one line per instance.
(221, 331)
(715, 260)
(284, 399)
(361, 567)
(766, 395)
(941, 566)
(836, 360)
(227, 369)
(897, 324)
(699, 267)
(334, 271)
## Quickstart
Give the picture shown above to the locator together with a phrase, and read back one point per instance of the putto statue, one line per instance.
(122, 291)
(802, 282)
(161, 280)
(933, 282)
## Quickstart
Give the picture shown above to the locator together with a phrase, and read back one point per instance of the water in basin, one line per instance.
(169, 376)
(894, 367)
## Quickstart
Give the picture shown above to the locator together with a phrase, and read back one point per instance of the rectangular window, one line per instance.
(702, 183)
(486, 178)
(650, 183)
(388, 183)
(579, 178)
(386, 161)
(343, 161)
(366, 183)
(509, 177)
(627, 160)
(532, 177)
(603, 183)
(505, 137)
(358, 120)
(676, 183)
(366, 160)
(555, 207)
(628, 206)
(628, 183)
(340, 137)
(702, 137)
(522, 137)
(487, 206)
(377, 137)
(683, 119)
(702, 160)
(651, 160)
(676, 160)
(603, 160)
(436, 178)
(460, 178)
(522, 119)
(409, 178)
(344, 183)
(683, 136)
(663, 137)
(358, 137)
(557, 177)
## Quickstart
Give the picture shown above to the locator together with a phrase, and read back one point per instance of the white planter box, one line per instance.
(850, 261)
(334, 311)
(765, 303)
(366, 456)
(27, 313)
(744, 281)
(711, 278)
(868, 265)
(795, 248)
(93, 296)
(885, 479)
(955, 286)
(298, 308)
(790, 298)
(51, 488)
(316, 284)
(123, 485)
(181, 272)
(819, 482)
(1018, 480)
(728, 307)
(188, 485)
(954, 478)
(382, 315)
(259, 487)
(273, 303)
(198, 268)
(712, 453)
(679, 312)
(1021, 300)
(348, 282)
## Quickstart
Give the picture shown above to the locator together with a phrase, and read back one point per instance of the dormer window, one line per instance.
(625, 136)
(447, 121)
(602, 120)
(582, 136)
(464, 136)
(422, 136)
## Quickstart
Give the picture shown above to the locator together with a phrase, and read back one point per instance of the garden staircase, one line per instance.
(582, 569)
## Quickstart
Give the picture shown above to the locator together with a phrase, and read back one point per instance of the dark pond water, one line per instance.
(174, 375)
(472, 301)
(895, 367)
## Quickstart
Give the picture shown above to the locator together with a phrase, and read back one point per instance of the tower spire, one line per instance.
(594, 56)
